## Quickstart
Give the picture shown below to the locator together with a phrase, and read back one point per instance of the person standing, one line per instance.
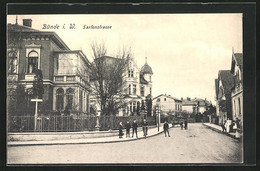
(134, 127)
(181, 124)
(127, 128)
(145, 127)
(120, 130)
(185, 124)
(223, 126)
(166, 128)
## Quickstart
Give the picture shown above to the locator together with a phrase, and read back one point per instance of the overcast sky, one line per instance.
(185, 51)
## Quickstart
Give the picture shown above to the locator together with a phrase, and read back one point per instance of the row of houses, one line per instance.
(229, 91)
(169, 104)
(65, 72)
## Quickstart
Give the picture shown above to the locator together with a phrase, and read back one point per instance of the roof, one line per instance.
(216, 87)
(237, 58)
(146, 69)
(168, 96)
(25, 29)
(227, 80)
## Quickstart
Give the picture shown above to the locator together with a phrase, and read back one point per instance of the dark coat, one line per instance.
(134, 125)
(127, 126)
(145, 124)
(165, 126)
(121, 130)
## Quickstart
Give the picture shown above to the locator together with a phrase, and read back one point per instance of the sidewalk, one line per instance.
(151, 132)
(219, 129)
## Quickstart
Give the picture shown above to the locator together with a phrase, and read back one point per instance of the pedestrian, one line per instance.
(238, 123)
(223, 126)
(166, 128)
(121, 130)
(181, 124)
(185, 124)
(145, 127)
(134, 127)
(127, 128)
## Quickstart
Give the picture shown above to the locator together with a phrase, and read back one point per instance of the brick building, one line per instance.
(64, 82)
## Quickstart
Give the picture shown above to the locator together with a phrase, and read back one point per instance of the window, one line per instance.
(70, 94)
(142, 91)
(150, 78)
(158, 100)
(239, 106)
(32, 61)
(70, 78)
(131, 107)
(129, 88)
(12, 55)
(165, 99)
(130, 73)
(80, 100)
(235, 108)
(134, 106)
(134, 89)
(59, 99)
(59, 78)
(150, 90)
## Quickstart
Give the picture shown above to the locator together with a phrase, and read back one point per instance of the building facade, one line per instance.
(29, 50)
(224, 84)
(237, 89)
(168, 104)
(136, 89)
(196, 105)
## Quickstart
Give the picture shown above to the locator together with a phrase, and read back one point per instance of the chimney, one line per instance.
(27, 22)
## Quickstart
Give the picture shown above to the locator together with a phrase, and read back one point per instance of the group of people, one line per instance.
(134, 127)
(184, 125)
(231, 125)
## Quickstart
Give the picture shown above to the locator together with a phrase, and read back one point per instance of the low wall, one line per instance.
(48, 136)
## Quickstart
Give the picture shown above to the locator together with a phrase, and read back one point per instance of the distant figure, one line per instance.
(238, 123)
(145, 127)
(127, 128)
(185, 124)
(223, 126)
(134, 127)
(181, 124)
(166, 128)
(121, 130)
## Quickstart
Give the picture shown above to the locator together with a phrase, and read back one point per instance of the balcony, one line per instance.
(29, 77)
(238, 88)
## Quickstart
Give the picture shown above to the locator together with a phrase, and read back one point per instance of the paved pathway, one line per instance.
(198, 144)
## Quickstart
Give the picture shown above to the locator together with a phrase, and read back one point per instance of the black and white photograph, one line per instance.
(124, 88)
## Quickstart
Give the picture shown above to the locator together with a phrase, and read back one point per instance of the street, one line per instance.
(198, 144)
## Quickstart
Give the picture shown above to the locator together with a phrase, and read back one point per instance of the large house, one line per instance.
(64, 78)
(223, 86)
(237, 89)
(137, 87)
(196, 105)
(229, 91)
(168, 104)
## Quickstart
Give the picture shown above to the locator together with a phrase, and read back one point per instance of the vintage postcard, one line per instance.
(125, 88)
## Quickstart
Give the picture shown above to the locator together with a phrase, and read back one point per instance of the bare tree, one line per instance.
(107, 78)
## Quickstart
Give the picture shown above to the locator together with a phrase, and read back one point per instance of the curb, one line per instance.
(101, 142)
(219, 131)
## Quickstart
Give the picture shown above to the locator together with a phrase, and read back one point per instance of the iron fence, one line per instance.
(69, 124)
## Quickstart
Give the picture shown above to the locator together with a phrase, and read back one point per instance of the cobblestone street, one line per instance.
(198, 144)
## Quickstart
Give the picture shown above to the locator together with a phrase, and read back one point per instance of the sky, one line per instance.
(185, 51)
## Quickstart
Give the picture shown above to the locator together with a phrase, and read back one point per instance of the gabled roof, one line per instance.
(216, 87)
(237, 58)
(168, 96)
(227, 80)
